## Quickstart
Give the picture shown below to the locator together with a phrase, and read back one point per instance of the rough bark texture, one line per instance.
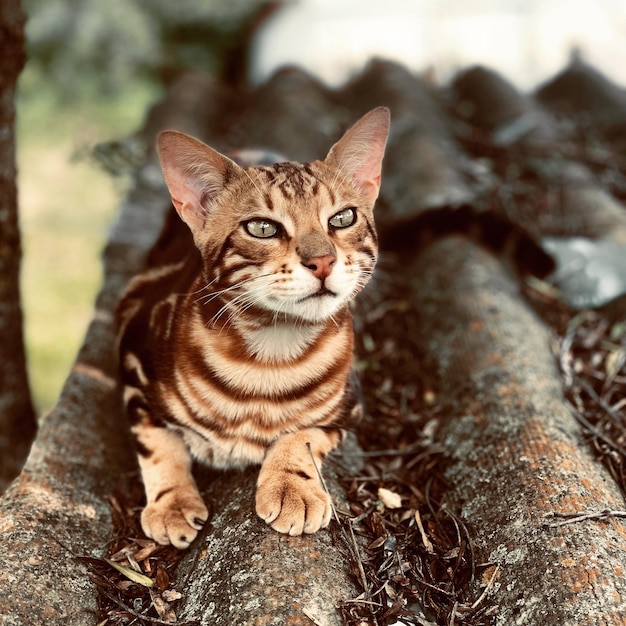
(516, 452)
(422, 167)
(292, 114)
(17, 416)
(241, 572)
(515, 123)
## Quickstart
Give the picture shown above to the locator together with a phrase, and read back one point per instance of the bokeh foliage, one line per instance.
(91, 45)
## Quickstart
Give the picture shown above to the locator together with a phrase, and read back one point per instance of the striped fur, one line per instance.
(239, 351)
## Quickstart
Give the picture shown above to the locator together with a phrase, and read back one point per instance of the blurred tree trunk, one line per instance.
(17, 417)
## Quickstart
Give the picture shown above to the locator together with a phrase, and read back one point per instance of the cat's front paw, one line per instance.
(175, 518)
(292, 502)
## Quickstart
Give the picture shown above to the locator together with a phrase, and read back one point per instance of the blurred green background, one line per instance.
(94, 68)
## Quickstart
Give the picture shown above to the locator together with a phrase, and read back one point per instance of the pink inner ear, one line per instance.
(368, 174)
(370, 187)
(359, 153)
(194, 174)
(191, 212)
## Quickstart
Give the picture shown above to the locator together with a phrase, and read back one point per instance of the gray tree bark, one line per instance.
(516, 453)
(57, 509)
(242, 572)
(17, 416)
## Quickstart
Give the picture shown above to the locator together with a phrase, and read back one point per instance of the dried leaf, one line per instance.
(390, 590)
(489, 574)
(162, 578)
(171, 595)
(614, 362)
(377, 543)
(145, 552)
(124, 585)
(452, 554)
(390, 499)
(429, 397)
(162, 608)
(428, 544)
(160, 605)
(136, 577)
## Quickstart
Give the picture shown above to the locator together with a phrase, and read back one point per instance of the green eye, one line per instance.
(344, 218)
(262, 228)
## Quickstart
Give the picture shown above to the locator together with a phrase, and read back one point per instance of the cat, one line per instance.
(240, 352)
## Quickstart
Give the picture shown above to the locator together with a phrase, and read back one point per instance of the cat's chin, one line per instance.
(315, 308)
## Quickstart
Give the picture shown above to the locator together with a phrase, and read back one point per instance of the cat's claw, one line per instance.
(175, 520)
(291, 504)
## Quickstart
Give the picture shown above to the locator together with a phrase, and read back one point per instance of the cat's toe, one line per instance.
(175, 521)
(293, 508)
(318, 515)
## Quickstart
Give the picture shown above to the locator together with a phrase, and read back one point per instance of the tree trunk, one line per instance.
(242, 572)
(17, 416)
(516, 453)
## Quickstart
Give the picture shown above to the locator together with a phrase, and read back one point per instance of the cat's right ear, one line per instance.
(194, 174)
(359, 153)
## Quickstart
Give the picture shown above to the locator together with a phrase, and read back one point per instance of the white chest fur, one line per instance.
(280, 342)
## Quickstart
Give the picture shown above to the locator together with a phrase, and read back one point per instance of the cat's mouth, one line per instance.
(322, 291)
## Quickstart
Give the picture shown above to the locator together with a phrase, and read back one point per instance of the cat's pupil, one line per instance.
(261, 228)
(343, 218)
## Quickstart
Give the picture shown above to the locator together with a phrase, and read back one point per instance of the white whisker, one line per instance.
(239, 285)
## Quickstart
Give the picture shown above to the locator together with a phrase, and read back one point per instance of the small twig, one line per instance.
(357, 558)
(565, 358)
(573, 518)
(428, 544)
(598, 400)
(452, 619)
(360, 601)
(321, 477)
(595, 431)
(460, 525)
(312, 617)
(397, 452)
(483, 595)
(352, 543)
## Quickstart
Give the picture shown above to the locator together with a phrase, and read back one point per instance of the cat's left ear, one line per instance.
(359, 153)
(194, 174)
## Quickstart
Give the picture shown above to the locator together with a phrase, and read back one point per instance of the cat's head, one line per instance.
(292, 239)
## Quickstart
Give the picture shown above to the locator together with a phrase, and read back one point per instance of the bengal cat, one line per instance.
(241, 352)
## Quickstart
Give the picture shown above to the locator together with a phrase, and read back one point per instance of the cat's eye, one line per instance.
(345, 217)
(262, 228)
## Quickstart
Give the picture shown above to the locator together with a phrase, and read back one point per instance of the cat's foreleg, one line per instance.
(175, 511)
(290, 496)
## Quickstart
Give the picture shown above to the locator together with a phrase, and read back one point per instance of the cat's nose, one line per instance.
(321, 266)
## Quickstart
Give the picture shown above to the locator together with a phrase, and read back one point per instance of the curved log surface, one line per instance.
(516, 453)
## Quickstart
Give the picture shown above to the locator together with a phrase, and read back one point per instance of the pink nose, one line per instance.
(321, 266)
